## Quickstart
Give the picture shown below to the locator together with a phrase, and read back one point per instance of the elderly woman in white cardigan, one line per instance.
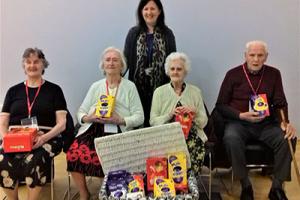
(179, 97)
(82, 159)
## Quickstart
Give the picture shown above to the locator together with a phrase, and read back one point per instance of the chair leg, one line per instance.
(69, 186)
(52, 179)
(202, 185)
(232, 181)
(222, 181)
(210, 177)
(68, 191)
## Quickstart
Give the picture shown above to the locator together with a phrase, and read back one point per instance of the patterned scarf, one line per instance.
(153, 71)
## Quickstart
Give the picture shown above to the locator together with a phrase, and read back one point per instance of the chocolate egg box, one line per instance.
(193, 193)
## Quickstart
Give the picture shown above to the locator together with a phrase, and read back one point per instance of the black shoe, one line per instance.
(247, 193)
(277, 194)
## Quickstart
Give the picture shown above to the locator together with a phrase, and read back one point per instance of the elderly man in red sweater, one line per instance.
(249, 98)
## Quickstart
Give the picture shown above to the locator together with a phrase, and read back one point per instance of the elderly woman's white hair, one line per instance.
(122, 57)
(175, 56)
(254, 42)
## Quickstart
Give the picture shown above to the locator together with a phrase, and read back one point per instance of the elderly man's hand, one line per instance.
(251, 117)
(290, 131)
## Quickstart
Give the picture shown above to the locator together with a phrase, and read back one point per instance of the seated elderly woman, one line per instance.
(82, 159)
(35, 98)
(179, 97)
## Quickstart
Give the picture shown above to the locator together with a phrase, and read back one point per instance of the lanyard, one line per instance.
(30, 105)
(107, 91)
(249, 82)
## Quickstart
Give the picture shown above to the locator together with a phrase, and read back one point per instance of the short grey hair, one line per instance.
(175, 56)
(123, 60)
(39, 53)
(260, 42)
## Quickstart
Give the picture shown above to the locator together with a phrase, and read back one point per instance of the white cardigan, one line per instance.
(128, 104)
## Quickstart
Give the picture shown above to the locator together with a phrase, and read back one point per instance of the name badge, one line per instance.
(110, 128)
(30, 123)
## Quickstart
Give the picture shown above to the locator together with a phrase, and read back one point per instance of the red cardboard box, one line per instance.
(156, 167)
(19, 140)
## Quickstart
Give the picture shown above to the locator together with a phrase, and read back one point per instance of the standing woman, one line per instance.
(177, 97)
(146, 48)
(82, 159)
(33, 98)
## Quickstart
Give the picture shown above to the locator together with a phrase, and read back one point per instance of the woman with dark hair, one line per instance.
(146, 47)
(35, 98)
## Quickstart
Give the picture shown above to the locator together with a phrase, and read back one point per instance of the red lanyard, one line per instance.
(250, 84)
(30, 105)
(107, 91)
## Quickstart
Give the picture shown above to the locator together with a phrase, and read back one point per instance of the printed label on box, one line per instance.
(105, 106)
(19, 140)
(259, 103)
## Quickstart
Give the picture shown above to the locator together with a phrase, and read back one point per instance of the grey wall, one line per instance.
(73, 34)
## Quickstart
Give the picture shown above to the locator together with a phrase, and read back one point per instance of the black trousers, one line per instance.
(236, 135)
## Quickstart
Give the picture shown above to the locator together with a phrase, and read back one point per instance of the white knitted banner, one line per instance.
(129, 150)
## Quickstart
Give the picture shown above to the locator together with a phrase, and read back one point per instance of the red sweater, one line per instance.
(235, 91)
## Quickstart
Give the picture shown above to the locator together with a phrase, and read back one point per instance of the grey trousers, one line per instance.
(236, 135)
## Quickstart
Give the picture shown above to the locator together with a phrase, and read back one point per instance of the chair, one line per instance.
(258, 155)
(68, 140)
(68, 136)
(209, 145)
(208, 161)
(50, 178)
